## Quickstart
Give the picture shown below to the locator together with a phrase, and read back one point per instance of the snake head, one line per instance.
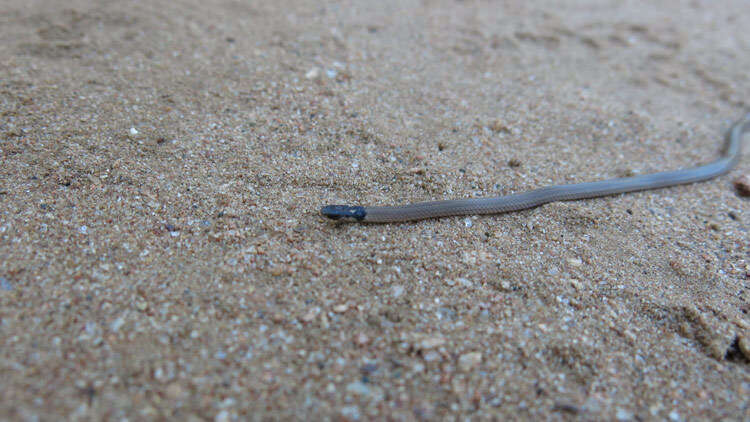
(345, 212)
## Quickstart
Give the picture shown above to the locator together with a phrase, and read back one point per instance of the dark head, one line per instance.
(345, 212)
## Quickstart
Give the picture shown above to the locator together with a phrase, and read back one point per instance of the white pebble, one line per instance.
(117, 324)
(313, 73)
(430, 343)
(623, 415)
(222, 416)
(350, 412)
(469, 361)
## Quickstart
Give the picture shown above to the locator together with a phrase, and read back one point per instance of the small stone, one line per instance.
(175, 391)
(464, 282)
(117, 324)
(397, 291)
(149, 411)
(5, 284)
(499, 126)
(350, 412)
(83, 230)
(14, 133)
(372, 392)
(361, 339)
(313, 73)
(623, 415)
(469, 361)
(430, 343)
(133, 131)
(222, 416)
(432, 356)
(629, 335)
(416, 170)
(742, 184)
(340, 309)
(576, 284)
(716, 348)
(575, 262)
(468, 222)
(310, 315)
(161, 375)
(277, 317)
(674, 416)
(141, 305)
(744, 345)
(358, 388)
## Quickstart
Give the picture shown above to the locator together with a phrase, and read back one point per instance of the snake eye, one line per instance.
(336, 212)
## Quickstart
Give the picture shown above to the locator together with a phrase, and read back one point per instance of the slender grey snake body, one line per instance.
(537, 197)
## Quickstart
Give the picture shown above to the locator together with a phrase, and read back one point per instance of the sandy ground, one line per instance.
(163, 163)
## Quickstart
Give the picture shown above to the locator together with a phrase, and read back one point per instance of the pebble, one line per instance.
(117, 324)
(5, 284)
(313, 73)
(416, 170)
(623, 415)
(430, 343)
(175, 391)
(310, 315)
(469, 361)
(576, 262)
(432, 356)
(133, 131)
(350, 412)
(464, 282)
(340, 309)
(361, 339)
(222, 416)
(468, 222)
(630, 335)
(359, 388)
(499, 126)
(742, 184)
(514, 162)
(744, 345)
(397, 291)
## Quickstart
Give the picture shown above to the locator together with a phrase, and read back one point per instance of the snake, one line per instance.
(547, 194)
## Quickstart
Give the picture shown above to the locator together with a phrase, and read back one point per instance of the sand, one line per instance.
(163, 164)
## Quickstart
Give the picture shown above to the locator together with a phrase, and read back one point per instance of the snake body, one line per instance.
(534, 198)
